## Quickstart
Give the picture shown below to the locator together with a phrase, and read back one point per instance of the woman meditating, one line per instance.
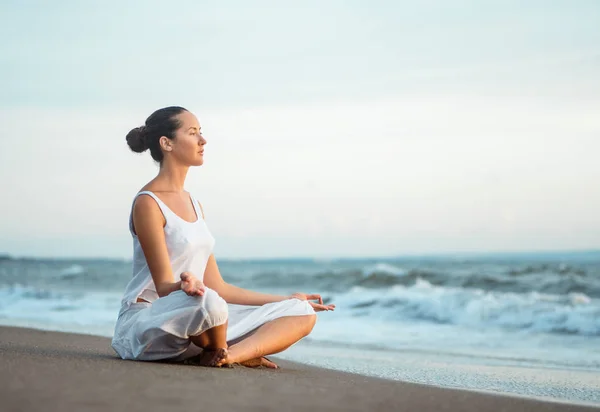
(176, 305)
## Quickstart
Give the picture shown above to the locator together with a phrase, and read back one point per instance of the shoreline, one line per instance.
(48, 369)
(486, 360)
(554, 383)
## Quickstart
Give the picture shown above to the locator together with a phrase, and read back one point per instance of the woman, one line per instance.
(177, 306)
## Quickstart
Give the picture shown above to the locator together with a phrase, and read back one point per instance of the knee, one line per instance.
(216, 308)
(308, 323)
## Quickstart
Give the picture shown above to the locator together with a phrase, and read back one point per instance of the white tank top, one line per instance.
(189, 245)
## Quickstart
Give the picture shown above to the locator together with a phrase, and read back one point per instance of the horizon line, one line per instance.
(447, 254)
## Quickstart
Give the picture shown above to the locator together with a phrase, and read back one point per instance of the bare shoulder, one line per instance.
(146, 204)
(146, 210)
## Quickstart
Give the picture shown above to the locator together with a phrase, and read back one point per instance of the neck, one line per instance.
(172, 176)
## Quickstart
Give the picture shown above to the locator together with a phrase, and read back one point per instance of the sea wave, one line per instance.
(72, 271)
(382, 276)
(557, 278)
(538, 296)
(44, 305)
(571, 313)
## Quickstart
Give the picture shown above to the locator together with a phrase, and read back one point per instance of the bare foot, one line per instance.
(226, 361)
(257, 362)
(209, 357)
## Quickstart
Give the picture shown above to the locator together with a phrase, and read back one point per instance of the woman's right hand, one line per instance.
(191, 285)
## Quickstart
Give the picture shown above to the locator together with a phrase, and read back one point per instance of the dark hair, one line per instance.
(162, 122)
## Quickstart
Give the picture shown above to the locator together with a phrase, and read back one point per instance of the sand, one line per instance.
(54, 371)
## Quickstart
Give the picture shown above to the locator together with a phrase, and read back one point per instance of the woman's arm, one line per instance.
(148, 222)
(234, 294)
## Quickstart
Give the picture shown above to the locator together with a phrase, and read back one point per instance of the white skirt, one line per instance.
(162, 329)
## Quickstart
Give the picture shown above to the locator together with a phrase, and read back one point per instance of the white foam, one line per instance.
(57, 307)
(386, 268)
(72, 270)
(573, 313)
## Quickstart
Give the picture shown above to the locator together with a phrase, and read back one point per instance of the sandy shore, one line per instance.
(52, 371)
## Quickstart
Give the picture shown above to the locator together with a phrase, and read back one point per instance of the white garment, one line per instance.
(161, 329)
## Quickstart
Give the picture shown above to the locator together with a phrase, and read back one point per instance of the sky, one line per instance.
(333, 128)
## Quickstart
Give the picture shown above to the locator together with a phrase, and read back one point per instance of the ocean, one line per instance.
(450, 320)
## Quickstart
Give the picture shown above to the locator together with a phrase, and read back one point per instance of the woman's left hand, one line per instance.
(316, 306)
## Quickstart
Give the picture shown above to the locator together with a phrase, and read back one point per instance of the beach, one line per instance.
(56, 371)
(518, 325)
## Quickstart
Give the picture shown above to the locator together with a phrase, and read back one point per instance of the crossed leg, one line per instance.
(272, 337)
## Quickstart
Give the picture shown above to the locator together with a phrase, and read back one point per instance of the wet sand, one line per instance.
(54, 371)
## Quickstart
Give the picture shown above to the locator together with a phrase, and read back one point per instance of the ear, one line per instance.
(165, 143)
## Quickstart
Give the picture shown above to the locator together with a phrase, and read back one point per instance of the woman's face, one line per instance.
(188, 146)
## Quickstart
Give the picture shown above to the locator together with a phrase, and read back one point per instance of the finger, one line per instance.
(329, 307)
(319, 307)
(316, 296)
(184, 276)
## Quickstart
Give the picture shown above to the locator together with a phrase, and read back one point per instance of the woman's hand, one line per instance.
(191, 285)
(316, 306)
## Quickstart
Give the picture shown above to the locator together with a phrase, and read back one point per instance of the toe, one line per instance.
(268, 364)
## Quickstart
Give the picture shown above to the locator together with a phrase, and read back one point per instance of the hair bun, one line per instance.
(136, 139)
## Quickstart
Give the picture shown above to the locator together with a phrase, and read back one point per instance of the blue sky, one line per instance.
(338, 128)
